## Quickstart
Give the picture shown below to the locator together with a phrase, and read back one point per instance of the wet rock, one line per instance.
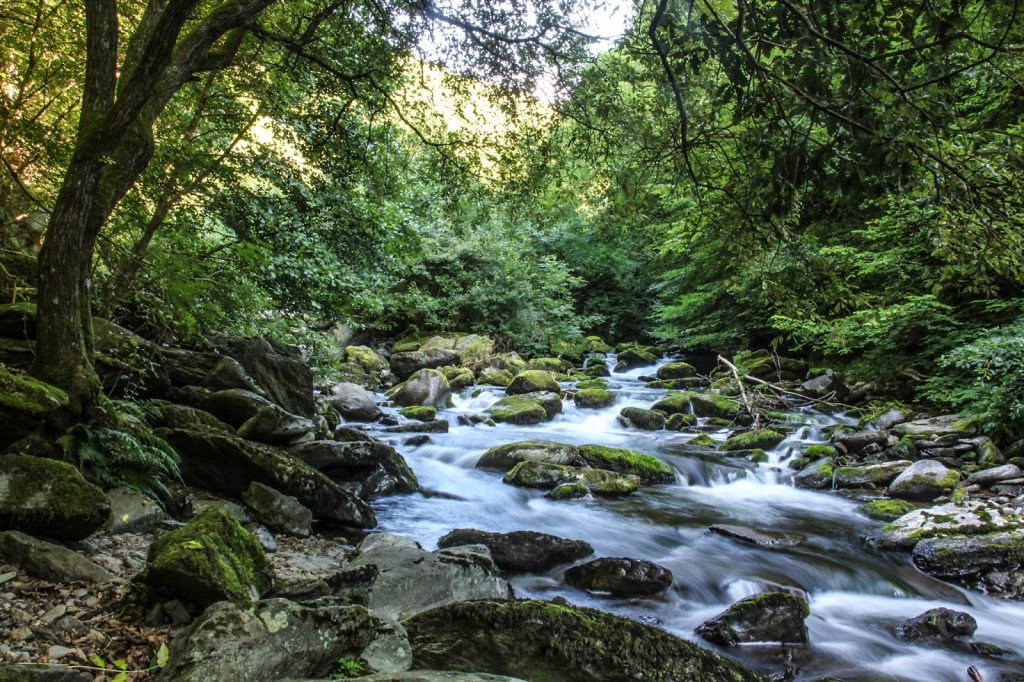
(458, 377)
(423, 413)
(622, 577)
(966, 559)
(639, 418)
(434, 426)
(416, 441)
(941, 625)
(887, 510)
(519, 409)
(396, 579)
(532, 381)
(676, 370)
(594, 398)
(995, 474)
(279, 369)
(546, 476)
(211, 558)
(761, 538)
(437, 676)
(764, 439)
(228, 465)
(132, 512)
(766, 617)
(48, 561)
(273, 640)
(42, 672)
(26, 405)
(46, 497)
(817, 475)
(870, 474)
(648, 468)
(945, 425)
(280, 512)
(858, 440)
(923, 480)
(521, 550)
(406, 364)
(971, 518)
(353, 402)
(545, 641)
(373, 467)
(633, 357)
(425, 387)
(367, 358)
(255, 417)
(553, 365)
(568, 491)
(492, 376)
(551, 402)
(827, 383)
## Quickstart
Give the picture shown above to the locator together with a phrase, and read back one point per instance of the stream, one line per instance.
(857, 594)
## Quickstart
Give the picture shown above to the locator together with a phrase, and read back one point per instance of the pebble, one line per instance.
(20, 634)
(7, 577)
(55, 613)
(72, 625)
(57, 652)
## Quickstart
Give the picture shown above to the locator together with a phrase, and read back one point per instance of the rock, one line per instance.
(425, 387)
(639, 418)
(396, 579)
(712, 405)
(965, 558)
(941, 625)
(532, 381)
(26, 406)
(211, 558)
(855, 441)
(816, 475)
(825, 384)
(48, 561)
(551, 402)
(517, 409)
(676, 370)
(761, 538)
(42, 672)
(367, 358)
(255, 417)
(504, 457)
(162, 414)
(375, 467)
(971, 518)
(675, 403)
(594, 398)
(18, 320)
(406, 364)
(553, 365)
(435, 426)
(521, 550)
(46, 497)
(544, 641)
(678, 422)
(549, 476)
(764, 439)
(766, 617)
(437, 676)
(470, 347)
(923, 480)
(458, 377)
(273, 640)
(568, 491)
(492, 376)
(621, 577)
(934, 427)
(648, 468)
(132, 512)
(353, 402)
(633, 357)
(423, 413)
(280, 512)
(994, 475)
(277, 368)
(870, 474)
(228, 465)
(887, 510)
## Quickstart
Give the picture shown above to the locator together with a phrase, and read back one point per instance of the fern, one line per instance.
(118, 448)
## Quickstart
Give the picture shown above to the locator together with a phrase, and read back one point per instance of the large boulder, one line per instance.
(532, 381)
(935, 427)
(828, 383)
(545, 642)
(406, 364)
(280, 512)
(27, 405)
(273, 640)
(48, 561)
(521, 409)
(763, 439)
(633, 357)
(255, 417)
(133, 512)
(925, 480)
(228, 464)
(622, 577)
(520, 550)
(761, 538)
(946, 520)
(816, 475)
(425, 387)
(546, 476)
(277, 368)
(45, 497)
(940, 625)
(369, 466)
(504, 457)
(367, 358)
(210, 559)
(766, 617)
(647, 468)
(869, 474)
(396, 579)
(594, 398)
(992, 562)
(353, 402)
(676, 370)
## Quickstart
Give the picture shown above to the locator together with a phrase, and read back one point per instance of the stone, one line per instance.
(375, 468)
(545, 641)
(633, 357)
(941, 625)
(133, 512)
(162, 414)
(46, 497)
(42, 672)
(855, 441)
(971, 518)
(353, 402)
(934, 427)
(766, 617)
(619, 576)
(437, 676)
(594, 398)
(492, 376)
(367, 358)
(26, 406)
(763, 439)
(396, 579)
(817, 475)
(712, 405)
(676, 370)
(211, 558)
(423, 413)
(406, 364)
(517, 409)
(272, 640)
(751, 536)
(923, 480)
(966, 558)
(255, 417)
(639, 418)
(48, 561)
(532, 381)
(458, 377)
(869, 474)
(425, 387)
(228, 465)
(887, 510)
(648, 468)
(504, 457)
(553, 365)
(568, 491)
(280, 512)
(995, 474)
(521, 550)
(546, 476)
(434, 426)
(827, 383)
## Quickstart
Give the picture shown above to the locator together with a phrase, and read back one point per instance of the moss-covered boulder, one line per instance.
(27, 405)
(675, 403)
(676, 370)
(639, 418)
(533, 380)
(425, 387)
(704, 441)
(18, 320)
(869, 474)
(492, 376)
(593, 398)
(546, 642)
(405, 365)
(971, 518)
(887, 510)
(714, 405)
(368, 359)
(816, 475)
(520, 550)
(212, 558)
(753, 440)
(423, 413)
(46, 497)
(766, 617)
(458, 377)
(367, 465)
(568, 491)
(679, 421)
(598, 345)
(648, 468)
(620, 576)
(504, 457)
(924, 480)
(48, 561)
(591, 383)
(529, 408)
(992, 562)
(549, 476)
(553, 365)
(633, 357)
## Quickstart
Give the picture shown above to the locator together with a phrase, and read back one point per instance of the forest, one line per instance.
(728, 293)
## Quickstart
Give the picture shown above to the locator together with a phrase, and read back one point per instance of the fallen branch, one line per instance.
(777, 389)
(743, 392)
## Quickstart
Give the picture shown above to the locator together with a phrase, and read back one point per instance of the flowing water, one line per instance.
(857, 594)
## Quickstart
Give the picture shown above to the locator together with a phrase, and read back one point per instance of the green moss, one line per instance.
(677, 422)
(887, 510)
(703, 441)
(819, 451)
(592, 383)
(597, 345)
(676, 370)
(531, 474)
(547, 364)
(825, 469)
(876, 409)
(26, 394)
(754, 439)
(366, 358)
(501, 377)
(675, 403)
(423, 413)
(758, 456)
(594, 398)
(517, 410)
(959, 496)
(649, 469)
(569, 491)
(46, 497)
(533, 380)
(714, 405)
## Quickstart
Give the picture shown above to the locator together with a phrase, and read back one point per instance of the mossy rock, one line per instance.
(766, 617)
(679, 421)
(677, 370)
(18, 320)
(675, 403)
(870, 474)
(753, 440)
(495, 377)
(545, 642)
(458, 377)
(648, 468)
(423, 413)
(549, 476)
(714, 405)
(703, 441)
(515, 409)
(592, 383)
(639, 418)
(553, 365)
(504, 457)
(568, 491)
(676, 384)
(27, 405)
(46, 497)
(819, 451)
(594, 398)
(212, 558)
(368, 359)
(595, 370)
(887, 510)
(162, 414)
(633, 357)
(817, 475)
(531, 381)
(597, 345)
